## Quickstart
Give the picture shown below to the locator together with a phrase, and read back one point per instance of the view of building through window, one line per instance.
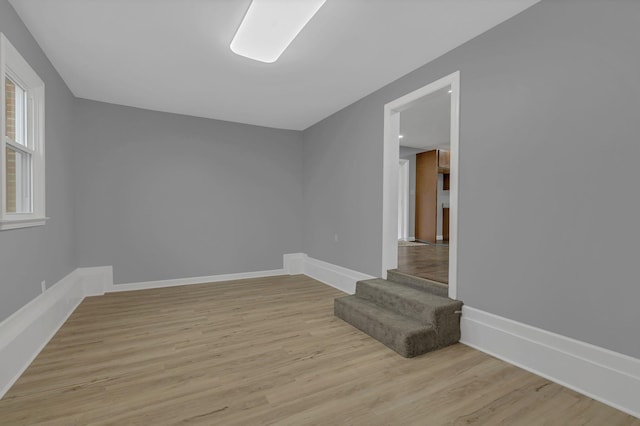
(18, 163)
(10, 102)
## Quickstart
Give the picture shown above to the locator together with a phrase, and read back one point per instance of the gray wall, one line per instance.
(342, 188)
(31, 255)
(549, 127)
(162, 196)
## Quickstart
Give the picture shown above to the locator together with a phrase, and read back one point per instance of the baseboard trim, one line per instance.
(194, 280)
(606, 376)
(343, 279)
(25, 333)
(96, 281)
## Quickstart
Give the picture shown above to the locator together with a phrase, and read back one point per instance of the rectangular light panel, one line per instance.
(270, 26)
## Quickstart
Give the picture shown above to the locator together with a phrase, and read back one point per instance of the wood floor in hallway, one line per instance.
(425, 261)
(267, 351)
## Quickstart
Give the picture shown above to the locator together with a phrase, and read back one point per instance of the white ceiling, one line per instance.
(174, 56)
(427, 124)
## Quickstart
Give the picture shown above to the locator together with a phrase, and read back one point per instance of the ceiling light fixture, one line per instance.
(400, 136)
(450, 90)
(269, 26)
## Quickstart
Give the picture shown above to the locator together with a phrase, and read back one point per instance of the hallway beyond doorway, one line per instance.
(430, 261)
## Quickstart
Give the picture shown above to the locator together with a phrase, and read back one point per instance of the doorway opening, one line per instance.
(420, 186)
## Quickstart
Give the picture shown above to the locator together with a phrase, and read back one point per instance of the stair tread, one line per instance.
(425, 281)
(403, 334)
(411, 293)
(380, 314)
(419, 283)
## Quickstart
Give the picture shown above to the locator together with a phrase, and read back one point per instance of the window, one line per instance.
(22, 148)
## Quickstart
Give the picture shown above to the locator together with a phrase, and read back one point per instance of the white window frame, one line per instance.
(13, 65)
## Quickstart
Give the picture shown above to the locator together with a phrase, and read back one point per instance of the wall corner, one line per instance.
(294, 263)
(96, 281)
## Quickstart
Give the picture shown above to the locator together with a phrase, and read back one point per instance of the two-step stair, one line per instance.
(410, 315)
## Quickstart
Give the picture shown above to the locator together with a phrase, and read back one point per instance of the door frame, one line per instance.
(403, 187)
(391, 158)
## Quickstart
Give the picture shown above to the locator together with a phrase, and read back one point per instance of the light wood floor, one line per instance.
(425, 261)
(267, 351)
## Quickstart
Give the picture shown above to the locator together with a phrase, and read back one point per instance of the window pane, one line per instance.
(15, 112)
(10, 108)
(18, 181)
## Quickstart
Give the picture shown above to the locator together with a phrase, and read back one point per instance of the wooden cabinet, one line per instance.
(443, 161)
(445, 223)
(446, 182)
(426, 196)
(428, 166)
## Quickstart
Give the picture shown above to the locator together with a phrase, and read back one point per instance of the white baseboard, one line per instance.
(96, 281)
(194, 280)
(336, 276)
(601, 374)
(25, 333)
(439, 238)
(294, 263)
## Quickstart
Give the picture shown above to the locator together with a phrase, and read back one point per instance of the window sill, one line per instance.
(22, 223)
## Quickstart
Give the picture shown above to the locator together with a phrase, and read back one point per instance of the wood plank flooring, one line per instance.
(267, 351)
(425, 261)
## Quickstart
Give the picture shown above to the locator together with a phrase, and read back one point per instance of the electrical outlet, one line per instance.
(43, 284)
